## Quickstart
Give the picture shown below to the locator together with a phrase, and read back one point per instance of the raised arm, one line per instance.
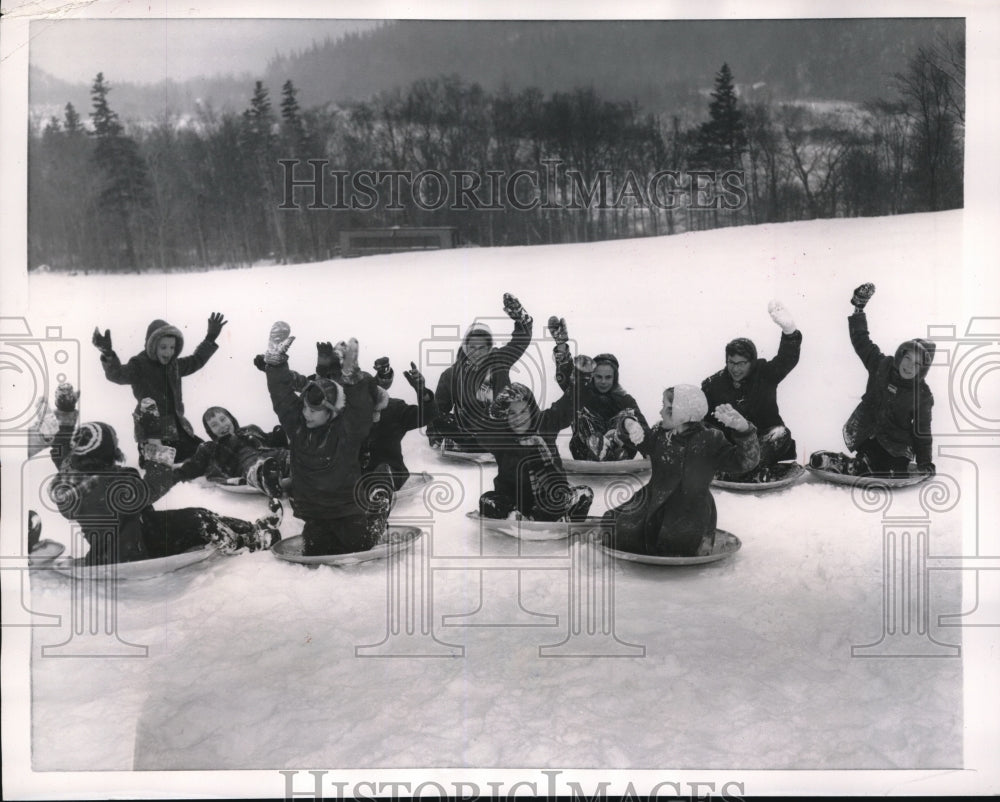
(520, 338)
(789, 346)
(189, 364)
(743, 453)
(280, 386)
(426, 408)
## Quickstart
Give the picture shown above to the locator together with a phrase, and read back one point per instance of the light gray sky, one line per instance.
(147, 51)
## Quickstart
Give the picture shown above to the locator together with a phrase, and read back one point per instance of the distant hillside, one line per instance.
(660, 64)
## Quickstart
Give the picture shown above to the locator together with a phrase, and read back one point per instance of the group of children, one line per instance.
(337, 453)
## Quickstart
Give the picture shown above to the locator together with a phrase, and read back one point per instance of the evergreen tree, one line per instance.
(722, 140)
(125, 192)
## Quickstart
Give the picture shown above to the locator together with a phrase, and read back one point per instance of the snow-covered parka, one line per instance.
(603, 406)
(162, 383)
(232, 454)
(105, 499)
(468, 389)
(674, 511)
(325, 464)
(893, 410)
(756, 399)
(384, 445)
(529, 469)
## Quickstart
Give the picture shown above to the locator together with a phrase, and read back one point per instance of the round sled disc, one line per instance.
(536, 530)
(792, 474)
(240, 487)
(400, 538)
(626, 466)
(868, 481)
(724, 547)
(135, 570)
(483, 458)
(44, 553)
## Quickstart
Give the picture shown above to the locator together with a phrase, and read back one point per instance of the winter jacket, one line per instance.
(756, 399)
(162, 383)
(600, 408)
(325, 465)
(385, 441)
(470, 389)
(232, 454)
(675, 509)
(529, 468)
(110, 503)
(895, 411)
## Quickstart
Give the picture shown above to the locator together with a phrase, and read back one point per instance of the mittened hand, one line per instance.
(384, 373)
(279, 340)
(259, 363)
(634, 431)
(351, 374)
(862, 295)
(415, 378)
(102, 342)
(584, 364)
(781, 316)
(927, 469)
(66, 397)
(215, 324)
(514, 310)
(501, 404)
(728, 416)
(557, 327)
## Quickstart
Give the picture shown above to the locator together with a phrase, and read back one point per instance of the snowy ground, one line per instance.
(747, 663)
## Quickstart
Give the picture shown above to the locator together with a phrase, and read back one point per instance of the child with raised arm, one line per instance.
(466, 390)
(750, 385)
(95, 490)
(155, 378)
(892, 424)
(608, 426)
(326, 425)
(674, 514)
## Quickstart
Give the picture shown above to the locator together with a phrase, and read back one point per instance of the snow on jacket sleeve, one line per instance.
(187, 365)
(285, 402)
(442, 396)
(740, 455)
(789, 348)
(867, 351)
(520, 339)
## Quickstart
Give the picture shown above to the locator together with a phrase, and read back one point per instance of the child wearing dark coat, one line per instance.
(750, 386)
(674, 514)
(382, 451)
(326, 426)
(608, 425)
(531, 482)
(239, 454)
(467, 388)
(112, 504)
(892, 424)
(155, 378)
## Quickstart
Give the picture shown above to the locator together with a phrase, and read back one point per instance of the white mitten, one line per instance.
(278, 342)
(781, 316)
(634, 430)
(727, 416)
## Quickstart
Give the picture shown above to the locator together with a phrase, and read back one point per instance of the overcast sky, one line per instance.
(147, 51)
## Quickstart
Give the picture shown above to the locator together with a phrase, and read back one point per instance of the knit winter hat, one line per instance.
(478, 330)
(689, 405)
(608, 359)
(213, 411)
(741, 346)
(323, 394)
(156, 331)
(923, 354)
(97, 442)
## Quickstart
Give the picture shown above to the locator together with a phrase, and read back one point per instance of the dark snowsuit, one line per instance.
(530, 475)
(892, 424)
(465, 391)
(675, 510)
(325, 466)
(161, 383)
(112, 505)
(384, 446)
(235, 455)
(599, 413)
(756, 399)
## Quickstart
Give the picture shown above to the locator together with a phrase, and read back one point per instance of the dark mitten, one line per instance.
(862, 295)
(102, 342)
(215, 324)
(384, 374)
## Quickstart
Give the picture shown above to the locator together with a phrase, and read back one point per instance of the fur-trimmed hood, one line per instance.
(156, 331)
